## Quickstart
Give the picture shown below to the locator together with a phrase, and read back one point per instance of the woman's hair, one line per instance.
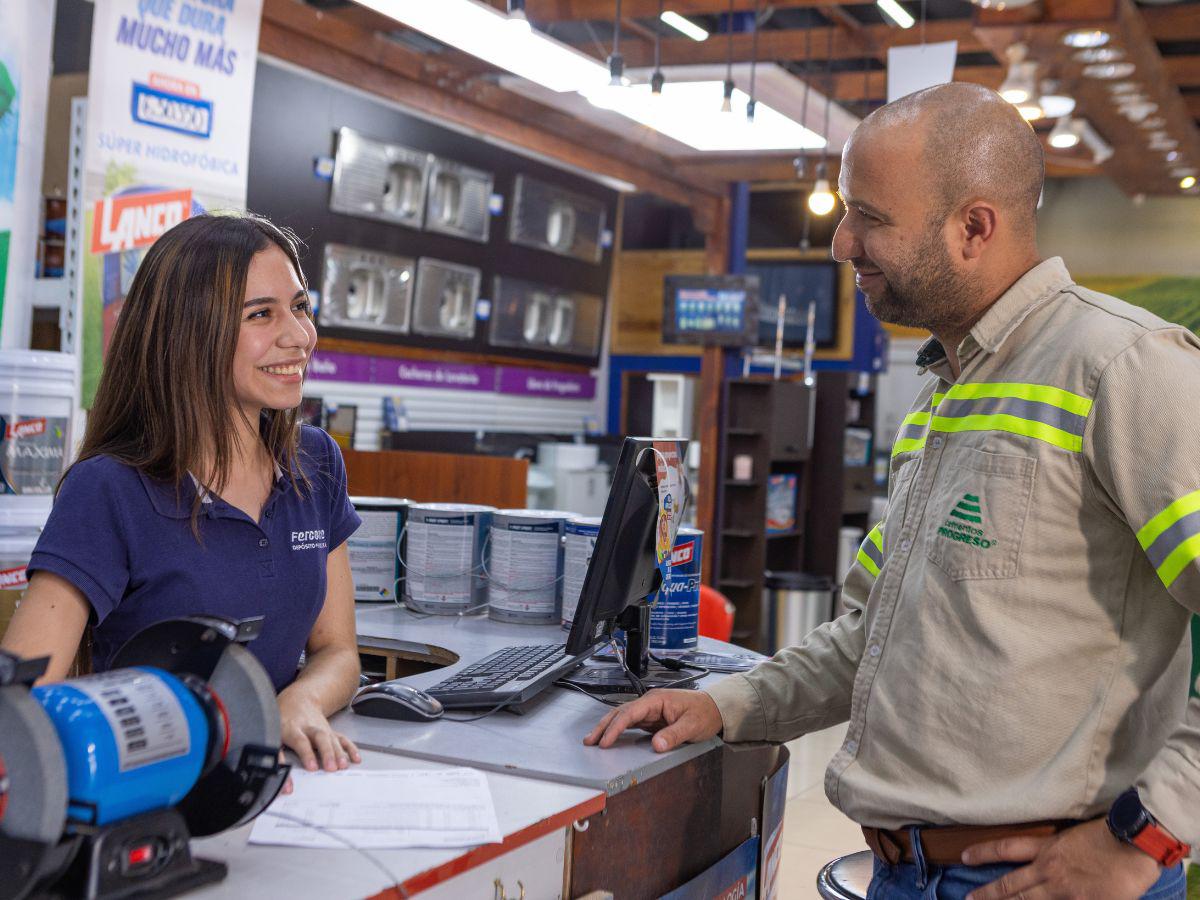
(166, 397)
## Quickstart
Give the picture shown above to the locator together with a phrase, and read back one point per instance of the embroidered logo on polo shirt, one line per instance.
(309, 540)
(965, 524)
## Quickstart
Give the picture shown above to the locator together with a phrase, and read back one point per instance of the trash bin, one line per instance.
(796, 602)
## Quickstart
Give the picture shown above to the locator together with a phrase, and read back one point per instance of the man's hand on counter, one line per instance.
(677, 716)
(1084, 861)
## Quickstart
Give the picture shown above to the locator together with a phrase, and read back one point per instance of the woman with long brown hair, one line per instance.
(197, 492)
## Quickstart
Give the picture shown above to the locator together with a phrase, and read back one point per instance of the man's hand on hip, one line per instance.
(678, 716)
(1084, 861)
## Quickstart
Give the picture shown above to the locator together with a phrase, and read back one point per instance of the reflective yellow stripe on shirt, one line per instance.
(870, 554)
(914, 429)
(1036, 411)
(1172, 538)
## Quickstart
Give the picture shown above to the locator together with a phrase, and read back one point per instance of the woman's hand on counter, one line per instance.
(677, 716)
(307, 733)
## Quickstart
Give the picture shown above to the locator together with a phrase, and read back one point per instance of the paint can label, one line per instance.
(675, 614)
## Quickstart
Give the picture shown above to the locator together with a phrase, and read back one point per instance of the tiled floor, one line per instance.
(813, 831)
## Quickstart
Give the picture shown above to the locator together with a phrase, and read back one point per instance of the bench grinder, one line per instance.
(103, 779)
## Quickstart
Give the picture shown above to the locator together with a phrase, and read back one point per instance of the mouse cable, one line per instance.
(678, 665)
(492, 711)
(330, 833)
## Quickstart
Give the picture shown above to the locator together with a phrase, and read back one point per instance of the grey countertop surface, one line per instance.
(546, 742)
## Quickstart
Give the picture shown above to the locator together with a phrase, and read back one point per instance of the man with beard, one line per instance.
(1014, 664)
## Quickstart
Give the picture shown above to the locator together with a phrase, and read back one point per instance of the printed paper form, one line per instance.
(379, 809)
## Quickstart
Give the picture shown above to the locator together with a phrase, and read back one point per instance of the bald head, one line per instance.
(970, 144)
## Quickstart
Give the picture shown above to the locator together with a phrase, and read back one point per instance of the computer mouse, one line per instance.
(394, 700)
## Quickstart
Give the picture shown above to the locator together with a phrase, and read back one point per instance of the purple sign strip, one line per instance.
(546, 383)
(340, 367)
(388, 370)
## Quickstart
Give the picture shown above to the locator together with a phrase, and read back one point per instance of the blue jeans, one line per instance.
(910, 881)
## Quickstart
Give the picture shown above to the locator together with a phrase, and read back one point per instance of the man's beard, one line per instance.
(928, 294)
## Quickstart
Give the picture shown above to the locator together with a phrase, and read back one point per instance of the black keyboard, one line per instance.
(512, 674)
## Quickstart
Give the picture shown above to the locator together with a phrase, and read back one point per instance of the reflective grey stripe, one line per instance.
(876, 555)
(1030, 410)
(911, 432)
(1179, 532)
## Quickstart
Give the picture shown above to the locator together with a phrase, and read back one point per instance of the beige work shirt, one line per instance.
(1017, 646)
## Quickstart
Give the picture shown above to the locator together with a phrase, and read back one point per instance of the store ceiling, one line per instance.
(842, 48)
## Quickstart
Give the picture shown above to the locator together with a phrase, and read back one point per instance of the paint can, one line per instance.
(578, 543)
(675, 615)
(375, 549)
(443, 557)
(524, 566)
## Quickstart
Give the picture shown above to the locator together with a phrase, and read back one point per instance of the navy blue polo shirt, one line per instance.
(126, 541)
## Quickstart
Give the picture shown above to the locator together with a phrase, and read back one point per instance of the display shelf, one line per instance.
(767, 421)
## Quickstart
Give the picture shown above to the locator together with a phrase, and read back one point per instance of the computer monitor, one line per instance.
(721, 310)
(624, 569)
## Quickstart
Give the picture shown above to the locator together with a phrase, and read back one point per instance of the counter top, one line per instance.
(526, 810)
(545, 742)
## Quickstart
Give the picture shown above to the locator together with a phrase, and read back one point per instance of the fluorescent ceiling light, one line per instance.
(896, 13)
(1056, 106)
(679, 23)
(1086, 37)
(490, 35)
(689, 112)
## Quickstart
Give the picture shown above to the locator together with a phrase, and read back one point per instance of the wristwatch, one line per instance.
(1132, 823)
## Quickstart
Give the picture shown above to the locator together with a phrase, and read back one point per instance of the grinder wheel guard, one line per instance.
(247, 776)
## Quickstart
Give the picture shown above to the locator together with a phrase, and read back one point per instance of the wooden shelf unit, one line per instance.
(768, 421)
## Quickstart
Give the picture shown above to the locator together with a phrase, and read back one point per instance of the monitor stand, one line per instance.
(611, 678)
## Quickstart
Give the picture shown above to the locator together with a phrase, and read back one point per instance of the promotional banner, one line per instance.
(168, 135)
(26, 30)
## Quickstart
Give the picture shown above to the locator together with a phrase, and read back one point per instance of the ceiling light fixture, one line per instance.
(485, 32)
(1187, 182)
(517, 20)
(1065, 134)
(1054, 103)
(657, 79)
(1031, 110)
(897, 13)
(1109, 70)
(821, 200)
(685, 26)
(1173, 156)
(1102, 150)
(1156, 122)
(1020, 81)
(727, 102)
(1086, 37)
(616, 62)
(1099, 55)
(750, 104)
(686, 113)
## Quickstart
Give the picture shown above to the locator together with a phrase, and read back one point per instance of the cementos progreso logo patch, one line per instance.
(174, 112)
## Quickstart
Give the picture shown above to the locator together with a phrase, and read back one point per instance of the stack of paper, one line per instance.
(377, 809)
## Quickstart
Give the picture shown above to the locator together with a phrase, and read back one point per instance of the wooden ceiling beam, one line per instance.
(356, 56)
(1173, 23)
(850, 87)
(1184, 70)
(602, 10)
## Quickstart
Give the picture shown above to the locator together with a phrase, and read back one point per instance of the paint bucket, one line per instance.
(375, 549)
(524, 566)
(37, 401)
(675, 615)
(15, 551)
(443, 557)
(578, 543)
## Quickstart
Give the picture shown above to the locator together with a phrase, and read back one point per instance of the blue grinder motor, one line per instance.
(103, 779)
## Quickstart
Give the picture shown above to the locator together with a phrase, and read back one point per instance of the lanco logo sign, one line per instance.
(137, 220)
(174, 112)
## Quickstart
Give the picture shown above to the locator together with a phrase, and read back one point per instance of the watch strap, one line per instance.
(1160, 844)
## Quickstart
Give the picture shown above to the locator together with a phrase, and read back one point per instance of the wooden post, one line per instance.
(713, 219)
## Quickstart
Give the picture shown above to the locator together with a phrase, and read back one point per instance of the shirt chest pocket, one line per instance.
(977, 514)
